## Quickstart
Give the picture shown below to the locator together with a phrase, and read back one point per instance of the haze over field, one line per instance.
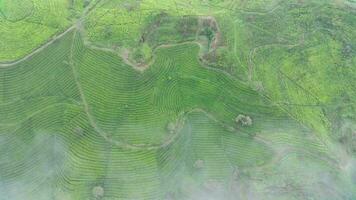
(177, 100)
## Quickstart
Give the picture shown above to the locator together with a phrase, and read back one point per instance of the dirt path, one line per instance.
(141, 67)
(39, 49)
(125, 56)
(91, 119)
(254, 51)
(107, 136)
(124, 53)
(264, 12)
(338, 160)
(56, 37)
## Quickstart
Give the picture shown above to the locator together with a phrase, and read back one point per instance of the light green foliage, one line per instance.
(27, 24)
(16, 10)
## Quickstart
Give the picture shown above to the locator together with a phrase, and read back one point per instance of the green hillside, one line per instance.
(183, 100)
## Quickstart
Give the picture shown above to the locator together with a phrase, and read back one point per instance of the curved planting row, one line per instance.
(95, 128)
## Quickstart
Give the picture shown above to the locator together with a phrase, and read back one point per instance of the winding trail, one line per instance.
(39, 49)
(107, 136)
(141, 68)
(253, 52)
(56, 37)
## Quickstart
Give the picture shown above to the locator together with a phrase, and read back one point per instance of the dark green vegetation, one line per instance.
(179, 100)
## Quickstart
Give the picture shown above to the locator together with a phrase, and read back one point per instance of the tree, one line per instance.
(209, 33)
(244, 120)
(86, 3)
(199, 164)
(171, 127)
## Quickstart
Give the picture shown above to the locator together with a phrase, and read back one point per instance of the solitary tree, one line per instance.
(244, 120)
(199, 164)
(171, 127)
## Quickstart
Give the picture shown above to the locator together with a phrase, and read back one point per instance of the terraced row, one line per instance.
(59, 103)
